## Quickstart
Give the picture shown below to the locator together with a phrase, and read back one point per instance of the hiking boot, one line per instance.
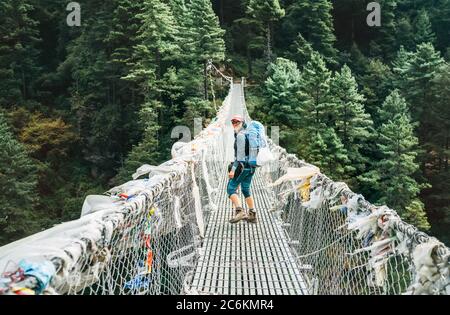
(251, 218)
(238, 215)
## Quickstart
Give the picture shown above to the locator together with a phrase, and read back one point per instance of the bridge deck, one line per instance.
(246, 258)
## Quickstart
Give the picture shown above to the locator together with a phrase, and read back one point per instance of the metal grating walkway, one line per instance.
(247, 258)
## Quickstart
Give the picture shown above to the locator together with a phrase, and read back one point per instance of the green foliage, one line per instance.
(436, 144)
(267, 12)
(319, 142)
(355, 59)
(103, 103)
(377, 84)
(405, 33)
(423, 32)
(387, 38)
(353, 125)
(18, 54)
(281, 106)
(415, 214)
(146, 152)
(282, 87)
(420, 76)
(400, 66)
(157, 34)
(440, 16)
(207, 36)
(48, 139)
(313, 20)
(18, 182)
(300, 51)
(398, 147)
(418, 70)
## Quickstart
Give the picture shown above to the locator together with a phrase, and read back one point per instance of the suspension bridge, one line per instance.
(166, 231)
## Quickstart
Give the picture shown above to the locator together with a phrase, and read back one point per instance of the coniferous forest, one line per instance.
(81, 107)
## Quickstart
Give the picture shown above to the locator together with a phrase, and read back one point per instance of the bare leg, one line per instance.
(251, 215)
(235, 200)
(250, 202)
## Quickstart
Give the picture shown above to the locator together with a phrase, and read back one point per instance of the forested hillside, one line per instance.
(82, 107)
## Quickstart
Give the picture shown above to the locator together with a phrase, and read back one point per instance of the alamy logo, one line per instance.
(74, 17)
(374, 18)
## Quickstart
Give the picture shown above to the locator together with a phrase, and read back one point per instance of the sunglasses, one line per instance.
(235, 122)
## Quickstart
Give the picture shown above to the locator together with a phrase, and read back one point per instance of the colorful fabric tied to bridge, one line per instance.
(166, 231)
(29, 278)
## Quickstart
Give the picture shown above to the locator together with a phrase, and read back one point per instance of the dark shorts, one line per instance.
(244, 179)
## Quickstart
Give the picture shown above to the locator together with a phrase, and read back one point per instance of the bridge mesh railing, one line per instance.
(146, 237)
(143, 237)
(346, 245)
(139, 248)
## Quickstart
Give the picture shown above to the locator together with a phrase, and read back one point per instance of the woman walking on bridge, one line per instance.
(241, 173)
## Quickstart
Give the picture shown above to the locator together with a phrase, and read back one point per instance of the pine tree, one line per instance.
(387, 39)
(156, 50)
(246, 38)
(405, 33)
(415, 214)
(196, 108)
(437, 144)
(423, 32)
(315, 88)
(18, 182)
(441, 21)
(418, 72)
(398, 147)
(185, 37)
(267, 12)
(147, 151)
(313, 20)
(123, 39)
(19, 67)
(247, 32)
(300, 51)
(282, 88)
(415, 75)
(157, 34)
(318, 141)
(439, 131)
(104, 104)
(353, 124)
(400, 66)
(377, 84)
(208, 38)
(355, 59)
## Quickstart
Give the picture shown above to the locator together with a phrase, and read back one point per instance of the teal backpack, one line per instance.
(256, 136)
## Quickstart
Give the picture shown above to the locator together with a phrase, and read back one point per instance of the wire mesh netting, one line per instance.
(345, 245)
(147, 236)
